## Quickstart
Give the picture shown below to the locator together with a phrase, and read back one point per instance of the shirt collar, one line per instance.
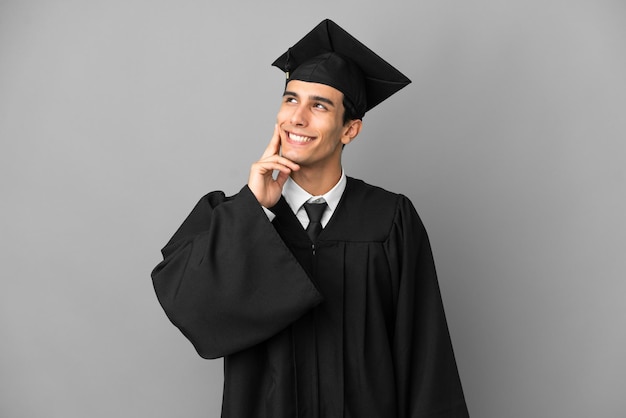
(296, 196)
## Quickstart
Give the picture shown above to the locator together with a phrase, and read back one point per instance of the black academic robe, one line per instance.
(352, 326)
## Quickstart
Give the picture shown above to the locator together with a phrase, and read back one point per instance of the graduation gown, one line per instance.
(351, 326)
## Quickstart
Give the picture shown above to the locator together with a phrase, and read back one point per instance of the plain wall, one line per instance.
(116, 116)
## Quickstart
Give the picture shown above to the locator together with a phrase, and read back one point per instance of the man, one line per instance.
(318, 289)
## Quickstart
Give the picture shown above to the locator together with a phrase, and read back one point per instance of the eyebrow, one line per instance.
(313, 98)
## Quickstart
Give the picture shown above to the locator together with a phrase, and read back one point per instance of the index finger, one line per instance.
(274, 146)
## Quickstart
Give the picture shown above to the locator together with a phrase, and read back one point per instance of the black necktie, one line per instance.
(315, 211)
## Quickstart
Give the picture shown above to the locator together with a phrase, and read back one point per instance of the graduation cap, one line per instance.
(329, 55)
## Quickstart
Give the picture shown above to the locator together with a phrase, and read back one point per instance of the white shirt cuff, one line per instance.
(269, 213)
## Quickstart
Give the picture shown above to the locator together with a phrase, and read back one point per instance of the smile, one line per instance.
(299, 138)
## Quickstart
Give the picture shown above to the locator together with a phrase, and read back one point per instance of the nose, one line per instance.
(298, 117)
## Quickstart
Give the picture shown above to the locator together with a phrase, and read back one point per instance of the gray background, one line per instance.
(116, 116)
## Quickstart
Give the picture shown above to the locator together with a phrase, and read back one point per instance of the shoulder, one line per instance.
(217, 198)
(218, 202)
(214, 198)
(379, 209)
(368, 195)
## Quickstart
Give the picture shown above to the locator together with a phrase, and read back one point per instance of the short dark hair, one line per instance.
(349, 111)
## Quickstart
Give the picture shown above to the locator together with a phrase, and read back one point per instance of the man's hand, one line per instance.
(267, 189)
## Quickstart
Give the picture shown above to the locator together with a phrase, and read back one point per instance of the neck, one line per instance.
(317, 182)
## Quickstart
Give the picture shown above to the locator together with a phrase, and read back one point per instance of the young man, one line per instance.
(318, 289)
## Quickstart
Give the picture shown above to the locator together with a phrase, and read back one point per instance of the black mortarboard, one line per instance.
(330, 55)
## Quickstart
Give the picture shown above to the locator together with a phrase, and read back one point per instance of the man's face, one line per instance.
(311, 126)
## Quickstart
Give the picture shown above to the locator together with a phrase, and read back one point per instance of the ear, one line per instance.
(351, 130)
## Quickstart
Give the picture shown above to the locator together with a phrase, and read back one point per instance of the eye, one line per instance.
(289, 99)
(320, 106)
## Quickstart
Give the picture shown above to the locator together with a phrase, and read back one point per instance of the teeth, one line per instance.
(298, 138)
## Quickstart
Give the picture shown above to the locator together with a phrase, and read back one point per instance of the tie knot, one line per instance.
(315, 210)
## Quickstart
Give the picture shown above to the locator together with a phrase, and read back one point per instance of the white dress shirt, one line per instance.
(296, 197)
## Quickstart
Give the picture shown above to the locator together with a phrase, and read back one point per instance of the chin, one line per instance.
(291, 154)
(294, 158)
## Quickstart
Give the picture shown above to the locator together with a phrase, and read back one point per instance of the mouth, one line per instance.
(299, 139)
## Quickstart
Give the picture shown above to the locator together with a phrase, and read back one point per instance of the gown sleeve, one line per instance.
(227, 280)
(427, 379)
